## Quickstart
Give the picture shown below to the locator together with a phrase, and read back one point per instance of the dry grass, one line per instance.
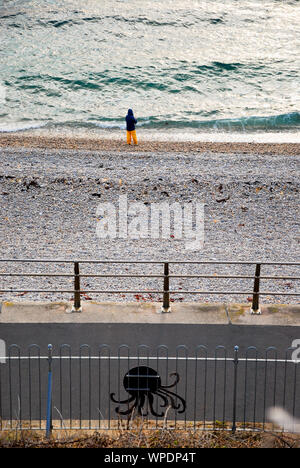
(148, 439)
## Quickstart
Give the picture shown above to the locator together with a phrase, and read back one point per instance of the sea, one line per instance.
(191, 70)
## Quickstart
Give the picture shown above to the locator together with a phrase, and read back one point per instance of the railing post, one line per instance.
(77, 304)
(166, 298)
(49, 394)
(255, 309)
(235, 363)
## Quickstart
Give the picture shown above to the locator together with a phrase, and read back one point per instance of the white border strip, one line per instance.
(151, 358)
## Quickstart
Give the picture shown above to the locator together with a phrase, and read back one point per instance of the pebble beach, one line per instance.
(50, 189)
(118, 145)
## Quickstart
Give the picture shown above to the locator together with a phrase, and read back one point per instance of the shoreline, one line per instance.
(119, 145)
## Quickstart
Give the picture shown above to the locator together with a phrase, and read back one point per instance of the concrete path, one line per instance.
(127, 312)
(208, 391)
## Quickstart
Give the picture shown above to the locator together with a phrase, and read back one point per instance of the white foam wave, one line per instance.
(107, 126)
(114, 125)
(9, 127)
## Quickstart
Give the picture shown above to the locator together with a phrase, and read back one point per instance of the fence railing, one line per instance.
(164, 277)
(109, 388)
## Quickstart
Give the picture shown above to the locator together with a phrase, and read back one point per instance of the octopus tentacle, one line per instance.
(112, 396)
(141, 402)
(128, 411)
(172, 400)
(168, 392)
(151, 401)
(163, 397)
(177, 378)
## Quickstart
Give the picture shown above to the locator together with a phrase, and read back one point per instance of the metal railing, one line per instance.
(167, 278)
(109, 388)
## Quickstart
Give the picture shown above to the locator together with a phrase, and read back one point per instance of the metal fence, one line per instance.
(166, 281)
(111, 388)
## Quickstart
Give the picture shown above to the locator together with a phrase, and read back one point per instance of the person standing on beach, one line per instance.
(130, 127)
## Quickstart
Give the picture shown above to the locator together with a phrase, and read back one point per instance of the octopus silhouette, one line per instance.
(142, 383)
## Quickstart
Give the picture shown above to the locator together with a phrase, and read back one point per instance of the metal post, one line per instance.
(255, 300)
(235, 363)
(49, 394)
(166, 298)
(77, 304)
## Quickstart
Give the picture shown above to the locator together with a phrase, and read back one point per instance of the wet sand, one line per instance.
(119, 145)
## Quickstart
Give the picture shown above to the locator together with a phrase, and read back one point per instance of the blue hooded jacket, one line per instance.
(130, 121)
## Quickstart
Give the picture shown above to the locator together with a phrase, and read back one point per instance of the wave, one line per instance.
(181, 77)
(287, 121)
(187, 21)
(274, 122)
(290, 121)
(11, 127)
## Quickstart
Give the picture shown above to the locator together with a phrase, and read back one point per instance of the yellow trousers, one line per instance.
(132, 135)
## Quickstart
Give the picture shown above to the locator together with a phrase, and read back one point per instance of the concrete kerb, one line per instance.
(271, 314)
(134, 312)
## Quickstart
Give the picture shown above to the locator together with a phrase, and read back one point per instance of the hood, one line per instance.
(130, 112)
